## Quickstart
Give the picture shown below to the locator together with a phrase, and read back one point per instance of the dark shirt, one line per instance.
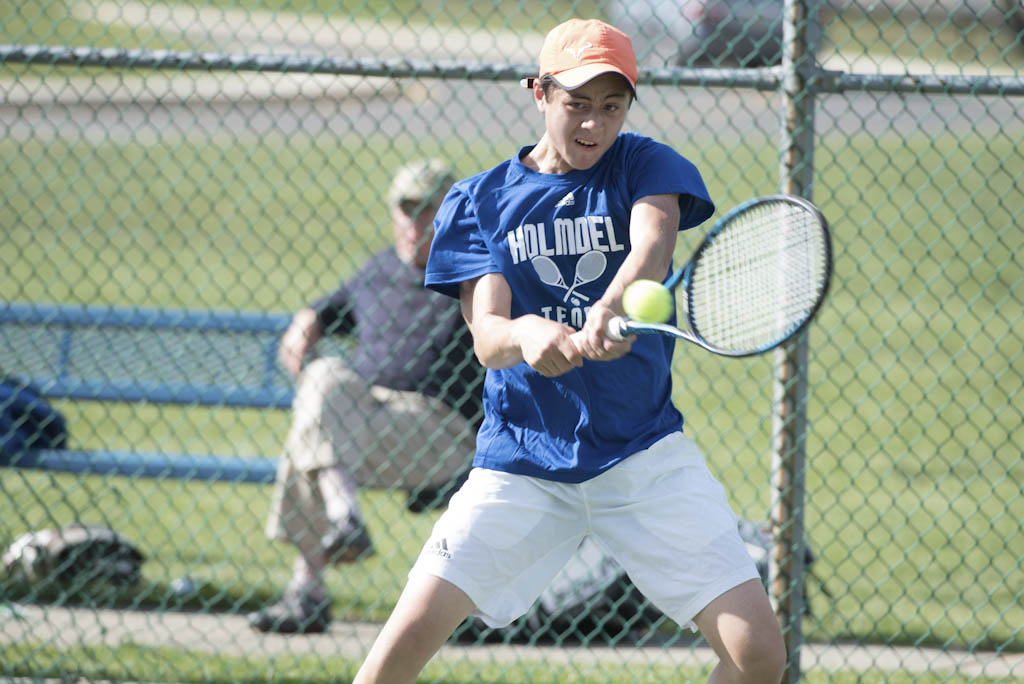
(407, 337)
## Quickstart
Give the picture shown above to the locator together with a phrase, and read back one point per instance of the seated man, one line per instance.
(401, 411)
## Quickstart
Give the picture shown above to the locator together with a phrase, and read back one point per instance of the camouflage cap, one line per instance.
(424, 179)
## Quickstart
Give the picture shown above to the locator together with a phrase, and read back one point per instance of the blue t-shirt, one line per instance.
(558, 239)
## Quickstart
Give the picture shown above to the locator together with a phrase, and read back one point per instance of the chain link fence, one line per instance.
(171, 164)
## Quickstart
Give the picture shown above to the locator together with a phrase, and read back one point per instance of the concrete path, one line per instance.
(230, 635)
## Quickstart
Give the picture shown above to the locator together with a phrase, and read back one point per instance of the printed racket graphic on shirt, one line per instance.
(589, 268)
(756, 280)
(548, 271)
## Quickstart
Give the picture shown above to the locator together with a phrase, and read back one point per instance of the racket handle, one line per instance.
(617, 329)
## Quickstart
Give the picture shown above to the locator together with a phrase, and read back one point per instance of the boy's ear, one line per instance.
(538, 95)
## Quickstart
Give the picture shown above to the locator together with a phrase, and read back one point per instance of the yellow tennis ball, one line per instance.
(647, 301)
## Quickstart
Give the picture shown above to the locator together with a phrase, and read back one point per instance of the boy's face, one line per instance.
(580, 125)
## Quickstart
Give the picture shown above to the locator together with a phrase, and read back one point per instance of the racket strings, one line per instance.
(759, 278)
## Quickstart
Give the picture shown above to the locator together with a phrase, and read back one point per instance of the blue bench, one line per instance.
(159, 356)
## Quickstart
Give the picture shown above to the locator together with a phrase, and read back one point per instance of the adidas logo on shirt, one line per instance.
(440, 548)
(566, 201)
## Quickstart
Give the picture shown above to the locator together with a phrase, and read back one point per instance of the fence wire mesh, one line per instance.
(168, 164)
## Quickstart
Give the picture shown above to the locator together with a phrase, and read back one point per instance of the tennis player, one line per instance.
(580, 436)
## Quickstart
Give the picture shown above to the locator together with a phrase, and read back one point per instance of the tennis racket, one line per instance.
(757, 279)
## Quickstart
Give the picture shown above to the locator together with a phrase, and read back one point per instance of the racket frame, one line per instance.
(619, 327)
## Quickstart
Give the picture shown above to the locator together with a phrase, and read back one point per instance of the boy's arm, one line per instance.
(502, 342)
(653, 226)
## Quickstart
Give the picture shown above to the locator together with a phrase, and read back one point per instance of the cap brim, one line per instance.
(570, 79)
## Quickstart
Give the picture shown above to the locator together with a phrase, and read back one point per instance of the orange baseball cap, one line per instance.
(581, 49)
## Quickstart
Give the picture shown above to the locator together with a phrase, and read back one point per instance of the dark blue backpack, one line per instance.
(27, 420)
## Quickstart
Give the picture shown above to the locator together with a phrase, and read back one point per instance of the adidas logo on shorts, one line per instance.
(440, 548)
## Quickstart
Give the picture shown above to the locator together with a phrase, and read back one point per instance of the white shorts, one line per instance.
(660, 514)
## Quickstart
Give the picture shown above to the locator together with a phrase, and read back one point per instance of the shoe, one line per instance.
(348, 542)
(293, 614)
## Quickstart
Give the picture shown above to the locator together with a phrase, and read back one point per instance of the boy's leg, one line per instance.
(501, 540)
(667, 521)
(427, 613)
(743, 631)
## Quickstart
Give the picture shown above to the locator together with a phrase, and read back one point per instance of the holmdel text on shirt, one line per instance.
(588, 237)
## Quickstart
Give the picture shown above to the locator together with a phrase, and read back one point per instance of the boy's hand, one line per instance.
(547, 346)
(593, 340)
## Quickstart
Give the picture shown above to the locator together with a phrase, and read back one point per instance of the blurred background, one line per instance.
(175, 158)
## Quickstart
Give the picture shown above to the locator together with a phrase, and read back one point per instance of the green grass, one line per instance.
(269, 222)
(914, 475)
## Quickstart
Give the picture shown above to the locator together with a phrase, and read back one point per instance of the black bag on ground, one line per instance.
(592, 599)
(75, 554)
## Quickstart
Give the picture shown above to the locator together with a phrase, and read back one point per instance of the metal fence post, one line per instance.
(796, 172)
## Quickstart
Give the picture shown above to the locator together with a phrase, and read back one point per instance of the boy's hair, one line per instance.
(547, 84)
